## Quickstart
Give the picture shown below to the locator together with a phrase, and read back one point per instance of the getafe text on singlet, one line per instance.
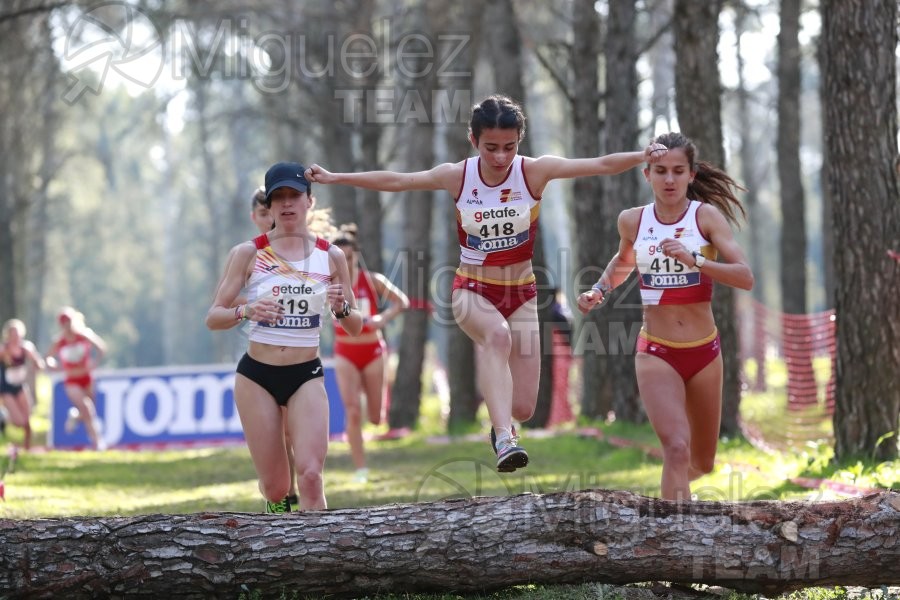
(300, 287)
(496, 224)
(664, 279)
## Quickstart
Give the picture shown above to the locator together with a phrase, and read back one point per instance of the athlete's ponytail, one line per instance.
(711, 184)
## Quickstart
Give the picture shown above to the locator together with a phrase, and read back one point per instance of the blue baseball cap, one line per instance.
(286, 174)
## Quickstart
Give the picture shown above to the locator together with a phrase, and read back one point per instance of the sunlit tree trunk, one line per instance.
(214, 235)
(801, 385)
(662, 66)
(749, 150)
(859, 94)
(509, 77)
(623, 309)
(418, 207)
(369, 212)
(793, 235)
(336, 121)
(50, 162)
(698, 101)
(15, 148)
(593, 247)
(461, 363)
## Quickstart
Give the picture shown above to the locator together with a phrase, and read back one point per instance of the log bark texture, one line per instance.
(476, 544)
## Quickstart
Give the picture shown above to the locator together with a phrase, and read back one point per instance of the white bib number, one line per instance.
(302, 310)
(667, 272)
(496, 229)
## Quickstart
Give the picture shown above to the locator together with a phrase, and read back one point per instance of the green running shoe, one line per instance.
(277, 508)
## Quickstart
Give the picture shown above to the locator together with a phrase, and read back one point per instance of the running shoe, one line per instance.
(512, 430)
(510, 455)
(72, 419)
(277, 508)
(361, 475)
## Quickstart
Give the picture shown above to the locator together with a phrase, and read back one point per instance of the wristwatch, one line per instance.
(345, 311)
(699, 259)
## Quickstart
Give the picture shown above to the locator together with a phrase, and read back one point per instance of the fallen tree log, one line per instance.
(477, 544)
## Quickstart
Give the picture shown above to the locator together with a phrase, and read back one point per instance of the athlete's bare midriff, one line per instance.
(512, 273)
(679, 322)
(281, 355)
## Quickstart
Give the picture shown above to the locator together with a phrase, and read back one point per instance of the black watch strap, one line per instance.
(345, 312)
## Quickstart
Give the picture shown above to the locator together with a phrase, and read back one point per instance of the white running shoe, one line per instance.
(98, 429)
(72, 419)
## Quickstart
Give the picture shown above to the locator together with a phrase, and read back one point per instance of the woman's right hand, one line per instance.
(316, 174)
(589, 299)
(264, 310)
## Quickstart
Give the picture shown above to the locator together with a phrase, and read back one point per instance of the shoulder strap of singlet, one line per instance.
(462, 181)
(261, 241)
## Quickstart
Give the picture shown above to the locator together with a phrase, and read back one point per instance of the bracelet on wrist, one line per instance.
(602, 287)
(241, 313)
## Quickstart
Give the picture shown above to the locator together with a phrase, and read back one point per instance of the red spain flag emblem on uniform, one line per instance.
(678, 232)
(505, 194)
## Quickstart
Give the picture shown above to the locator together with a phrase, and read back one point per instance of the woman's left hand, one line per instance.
(654, 152)
(675, 249)
(335, 297)
(316, 174)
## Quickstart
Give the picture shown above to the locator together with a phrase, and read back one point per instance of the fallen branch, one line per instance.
(477, 544)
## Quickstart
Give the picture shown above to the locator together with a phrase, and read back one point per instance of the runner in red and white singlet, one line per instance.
(497, 197)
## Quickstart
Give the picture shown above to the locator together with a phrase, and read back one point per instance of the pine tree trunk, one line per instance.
(337, 128)
(370, 212)
(510, 80)
(461, 367)
(698, 101)
(406, 396)
(798, 353)
(452, 545)
(859, 41)
(793, 215)
(624, 315)
(593, 246)
(369, 208)
(757, 220)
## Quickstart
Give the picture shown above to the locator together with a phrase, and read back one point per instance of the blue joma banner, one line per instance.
(166, 406)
